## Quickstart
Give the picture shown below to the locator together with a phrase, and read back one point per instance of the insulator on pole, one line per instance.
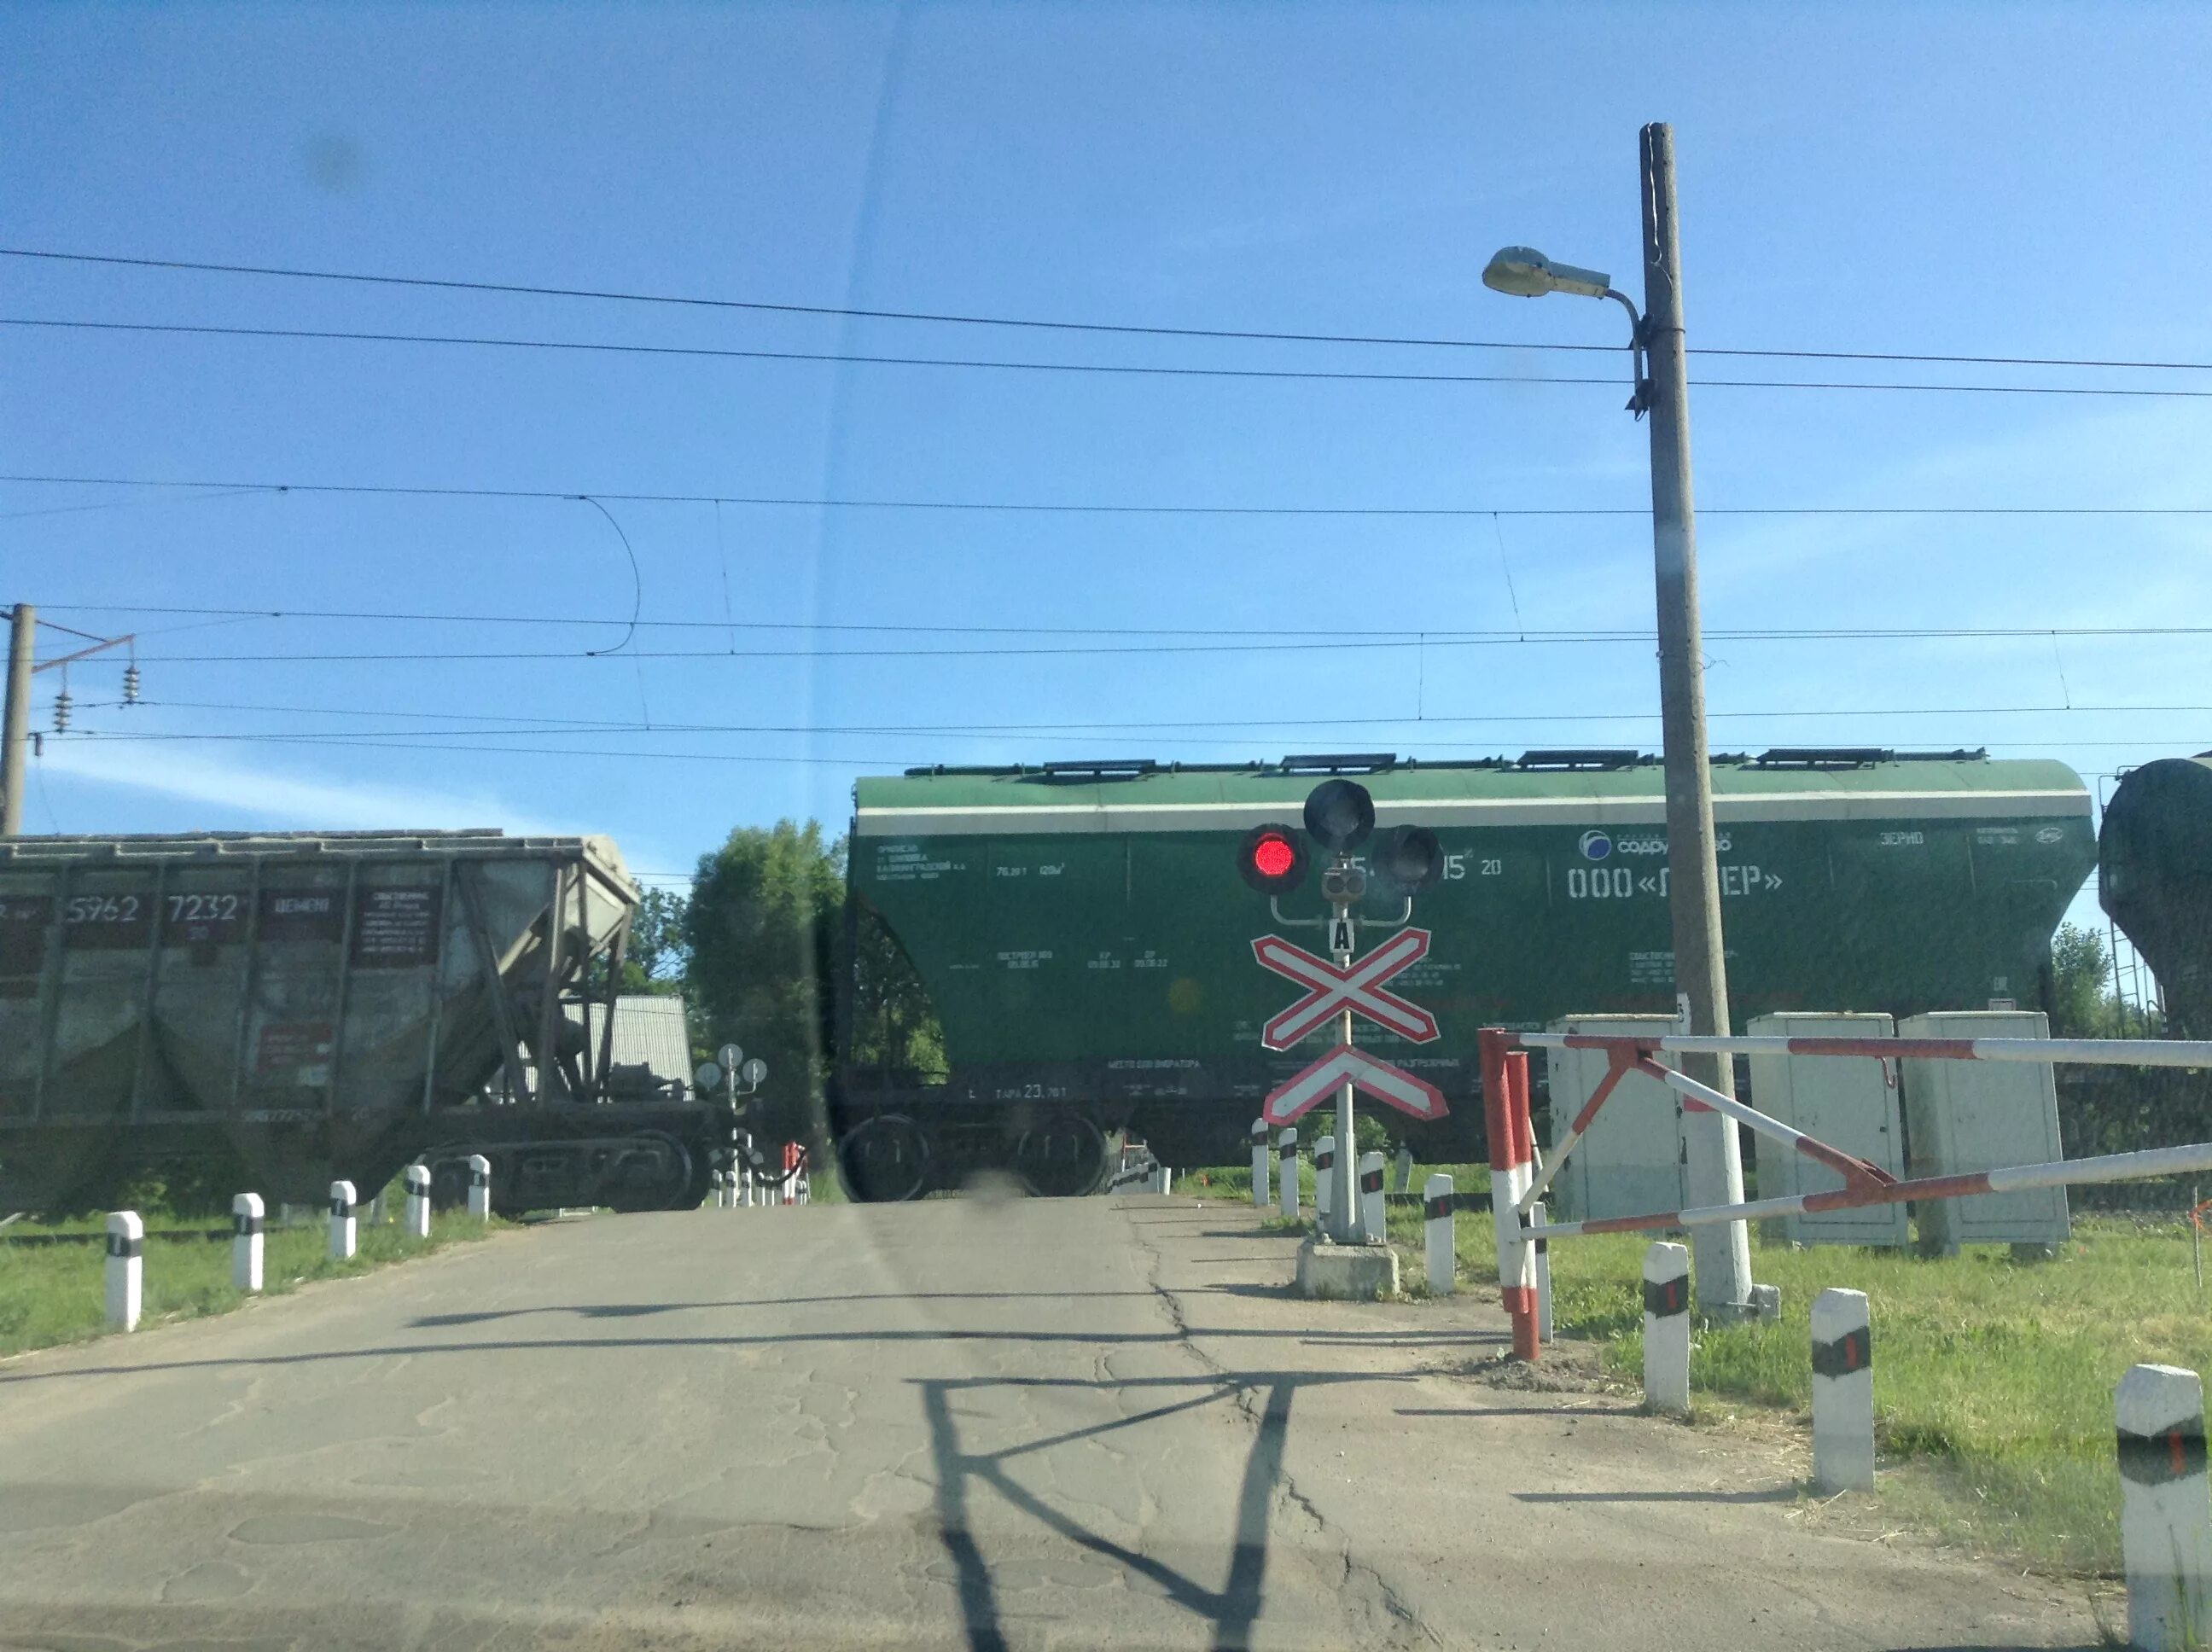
(61, 705)
(130, 683)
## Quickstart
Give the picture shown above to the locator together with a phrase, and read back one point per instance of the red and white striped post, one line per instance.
(1437, 1233)
(245, 1242)
(1666, 1327)
(126, 1268)
(1842, 1392)
(1373, 1227)
(418, 1201)
(1505, 1109)
(2166, 1518)
(344, 1237)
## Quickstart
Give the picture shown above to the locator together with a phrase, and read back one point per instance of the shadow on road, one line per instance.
(1772, 1494)
(1520, 1411)
(630, 1310)
(1230, 1610)
(765, 1340)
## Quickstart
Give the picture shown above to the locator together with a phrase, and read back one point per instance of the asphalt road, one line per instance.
(1097, 1422)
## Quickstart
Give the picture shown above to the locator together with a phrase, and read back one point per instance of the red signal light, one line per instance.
(1272, 860)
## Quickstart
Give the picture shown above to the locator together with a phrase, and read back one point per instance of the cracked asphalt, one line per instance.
(964, 1423)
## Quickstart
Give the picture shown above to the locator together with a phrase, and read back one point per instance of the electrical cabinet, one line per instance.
(1631, 1161)
(1976, 1116)
(1850, 1102)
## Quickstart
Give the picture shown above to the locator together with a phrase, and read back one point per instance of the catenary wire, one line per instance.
(1079, 508)
(1399, 633)
(956, 318)
(332, 335)
(527, 726)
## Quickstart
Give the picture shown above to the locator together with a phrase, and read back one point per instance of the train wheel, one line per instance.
(885, 1160)
(1062, 1157)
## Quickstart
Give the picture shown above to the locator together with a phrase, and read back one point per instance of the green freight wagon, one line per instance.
(327, 1005)
(1086, 941)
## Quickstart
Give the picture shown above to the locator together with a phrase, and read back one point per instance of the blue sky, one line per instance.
(2001, 180)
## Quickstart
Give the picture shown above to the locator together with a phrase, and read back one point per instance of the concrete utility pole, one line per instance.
(1723, 1267)
(14, 734)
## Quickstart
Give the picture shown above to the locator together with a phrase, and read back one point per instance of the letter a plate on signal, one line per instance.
(1359, 988)
(1370, 1073)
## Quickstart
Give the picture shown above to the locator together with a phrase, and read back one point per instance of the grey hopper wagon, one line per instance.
(329, 1005)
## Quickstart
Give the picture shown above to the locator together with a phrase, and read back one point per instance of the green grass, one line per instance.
(54, 1294)
(1993, 1379)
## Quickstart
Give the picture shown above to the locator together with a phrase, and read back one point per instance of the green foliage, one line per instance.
(659, 954)
(760, 931)
(2082, 1004)
(894, 1026)
(763, 943)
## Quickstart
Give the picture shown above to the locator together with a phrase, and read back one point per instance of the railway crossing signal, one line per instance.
(1272, 860)
(1376, 1076)
(1359, 988)
(1339, 817)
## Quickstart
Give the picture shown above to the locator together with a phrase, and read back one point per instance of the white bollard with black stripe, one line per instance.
(245, 1242)
(1539, 1217)
(344, 1237)
(2166, 1513)
(719, 1188)
(1260, 1188)
(1287, 1170)
(1402, 1170)
(126, 1268)
(480, 1187)
(1324, 1174)
(1439, 1235)
(418, 1201)
(1372, 1226)
(1667, 1328)
(1842, 1392)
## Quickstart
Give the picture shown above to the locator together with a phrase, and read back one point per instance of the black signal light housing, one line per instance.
(1272, 858)
(1409, 859)
(1339, 814)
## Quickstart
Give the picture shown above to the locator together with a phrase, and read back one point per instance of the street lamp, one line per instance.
(1662, 390)
(1523, 272)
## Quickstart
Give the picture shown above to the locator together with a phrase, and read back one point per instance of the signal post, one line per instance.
(1345, 1260)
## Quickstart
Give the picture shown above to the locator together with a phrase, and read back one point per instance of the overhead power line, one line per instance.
(1031, 323)
(1052, 507)
(1399, 635)
(1304, 644)
(538, 727)
(845, 762)
(1121, 369)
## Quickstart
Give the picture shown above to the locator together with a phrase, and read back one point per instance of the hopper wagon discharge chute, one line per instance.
(2154, 880)
(1080, 943)
(325, 1006)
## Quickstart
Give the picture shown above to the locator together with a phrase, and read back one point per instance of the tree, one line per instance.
(894, 1025)
(2082, 1001)
(759, 933)
(657, 957)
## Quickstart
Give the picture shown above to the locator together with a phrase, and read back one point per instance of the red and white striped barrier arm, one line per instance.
(2107, 1166)
(1700, 1098)
(2092, 1051)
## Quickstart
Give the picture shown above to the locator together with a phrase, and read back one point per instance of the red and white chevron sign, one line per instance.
(1370, 1073)
(1359, 988)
